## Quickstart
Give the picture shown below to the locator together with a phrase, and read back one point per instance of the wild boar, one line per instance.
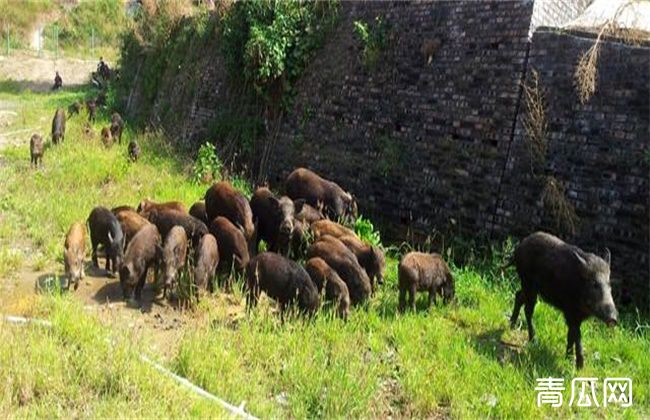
(233, 249)
(58, 126)
(343, 261)
(206, 259)
(91, 107)
(117, 126)
(223, 200)
(328, 227)
(282, 280)
(572, 280)
(134, 150)
(306, 213)
(165, 220)
(130, 222)
(147, 205)
(337, 203)
(274, 219)
(143, 252)
(107, 137)
(36, 148)
(198, 210)
(74, 252)
(371, 258)
(74, 108)
(173, 256)
(420, 272)
(105, 230)
(327, 280)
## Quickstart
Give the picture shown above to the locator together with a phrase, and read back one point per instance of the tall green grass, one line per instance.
(438, 362)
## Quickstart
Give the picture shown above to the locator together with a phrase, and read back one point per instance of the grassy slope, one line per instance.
(444, 361)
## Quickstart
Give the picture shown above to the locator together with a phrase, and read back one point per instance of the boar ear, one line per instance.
(298, 204)
(110, 237)
(274, 201)
(608, 256)
(579, 258)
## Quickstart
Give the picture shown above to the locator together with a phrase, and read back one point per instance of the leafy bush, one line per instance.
(208, 165)
(374, 39)
(366, 231)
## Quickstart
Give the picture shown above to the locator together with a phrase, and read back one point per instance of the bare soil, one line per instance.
(37, 73)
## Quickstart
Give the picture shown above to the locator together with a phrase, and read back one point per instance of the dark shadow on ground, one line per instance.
(42, 87)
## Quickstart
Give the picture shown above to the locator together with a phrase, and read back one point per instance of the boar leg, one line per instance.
(140, 285)
(94, 253)
(574, 338)
(402, 299)
(519, 301)
(432, 296)
(412, 293)
(529, 308)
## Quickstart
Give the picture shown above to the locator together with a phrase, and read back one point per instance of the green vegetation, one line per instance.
(444, 361)
(374, 37)
(208, 166)
(20, 17)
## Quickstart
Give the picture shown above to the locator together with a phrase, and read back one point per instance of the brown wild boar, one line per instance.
(343, 261)
(167, 219)
(222, 199)
(233, 249)
(58, 126)
(117, 126)
(74, 108)
(134, 150)
(206, 259)
(306, 184)
(36, 149)
(107, 138)
(306, 213)
(569, 279)
(420, 272)
(370, 257)
(105, 230)
(328, 281)
(143, 252)
(91, 107)
(173, 256)
(274, 218)
(130, 221)
(282, 280)
(74, 252)
(198, 210)
(147, 205)
(327, 227)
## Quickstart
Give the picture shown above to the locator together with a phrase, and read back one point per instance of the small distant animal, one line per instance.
(107, 138)
(306, 184)
(429, 49)
(117, 126)
(74, 108)
(566, 277)
(281, 279)
(91, 107)
(74, 252)
(134, 151)
(421, 272)
(88, 131)
(36, 149)
(58, 126)
(100, 100)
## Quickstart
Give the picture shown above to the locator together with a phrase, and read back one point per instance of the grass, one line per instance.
(446, 361)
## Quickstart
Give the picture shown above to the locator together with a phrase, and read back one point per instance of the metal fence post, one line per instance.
(56, 38)
(92, 42)
(7, 31)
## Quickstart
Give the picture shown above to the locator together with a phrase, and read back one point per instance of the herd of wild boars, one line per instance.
(310, 258)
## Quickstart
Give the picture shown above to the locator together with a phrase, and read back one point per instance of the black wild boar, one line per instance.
(107, 138)
(74, 252)
(327, 227)
(147, 205)
(91, 107)
(36, 149)
(130, 222)
(206, 262)
(370, 257)
(343, 261)
(233, 249)
(282, 280)
(143, 252)
(58, 126)
(165, 220)
(198, 210)
(573, 281)
(134, 150)
(117, 126)
(223, 200)
(307, 214)
(337, 203)
(274, 219)
(74, 109)
(105, 230)
(420, 272)
(100, 100)
(327, 280)
(174, 255)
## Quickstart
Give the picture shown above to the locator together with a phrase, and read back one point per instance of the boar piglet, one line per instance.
(36, 149)
(206, 259)
(174, 254)
(329, 283)
(421, 272)
(143, 252)
(74, 252)
(105, 230)
(573, 281)
(282, 280)
(58, 126)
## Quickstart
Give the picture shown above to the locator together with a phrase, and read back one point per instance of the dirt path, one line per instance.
(37, 73)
